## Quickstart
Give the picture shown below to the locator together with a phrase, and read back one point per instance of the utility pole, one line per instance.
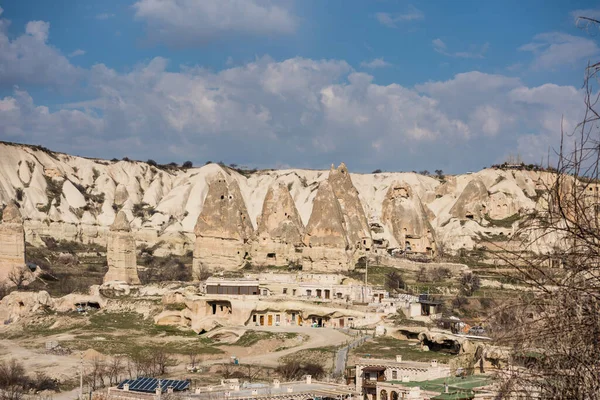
(366, 276)
(81, 377)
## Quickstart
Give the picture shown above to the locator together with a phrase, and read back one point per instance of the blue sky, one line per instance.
(395, 85)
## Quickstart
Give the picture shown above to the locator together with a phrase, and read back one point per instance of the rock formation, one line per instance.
(355, 221)
(471, 204)
(12, 241)
(326, 238)
(121, 252)
(407, 220)
(223, 229)
(280, 230)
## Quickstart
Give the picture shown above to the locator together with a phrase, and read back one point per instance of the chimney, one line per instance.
(276, 384)
(398, 358)
(405, 378)
(308, 379)
(434, 363)
(126, 387)
(236, 387)
(170, 389)
(198, 390)
(254, 392)
(446, 387)
(290, 389)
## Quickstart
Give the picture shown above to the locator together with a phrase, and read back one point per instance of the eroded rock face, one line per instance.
(280, 230)
(121, 252)
(325, 239)
(22, 304)
(355, 220)
(471, 204)
(223, 230)
(407, 219)
(326, 224)
(12, 241)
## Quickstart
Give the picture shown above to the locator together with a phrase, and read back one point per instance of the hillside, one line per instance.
(76, 198)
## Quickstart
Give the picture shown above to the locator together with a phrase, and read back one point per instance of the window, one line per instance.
(277, 318)
(254, 318)
(308, 292)
(284, 290)
(294, 292)
(394, 374)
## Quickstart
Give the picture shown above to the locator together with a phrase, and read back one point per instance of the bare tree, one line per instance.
(18, 276)
(96, 373)
(114, 369)
(553, 331)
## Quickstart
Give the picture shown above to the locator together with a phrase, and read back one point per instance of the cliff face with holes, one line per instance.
(324, 220)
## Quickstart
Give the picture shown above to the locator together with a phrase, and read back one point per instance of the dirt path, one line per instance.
(317, 337)
(62, 367)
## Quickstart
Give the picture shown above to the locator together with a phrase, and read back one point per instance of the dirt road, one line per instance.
(317, 337)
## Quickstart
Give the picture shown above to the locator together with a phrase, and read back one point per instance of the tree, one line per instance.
(439, 173)
(394, 281)
(18, 276)
(187, 164)
(469, 284)
(553, 329)
(152, 163)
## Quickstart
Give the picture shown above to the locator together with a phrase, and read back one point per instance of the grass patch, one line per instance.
(250, 338)
(503, 223)
(388, 347)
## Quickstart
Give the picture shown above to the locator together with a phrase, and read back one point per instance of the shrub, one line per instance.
(151, 162)
(187, 164)
(377, 171)
(469, 284)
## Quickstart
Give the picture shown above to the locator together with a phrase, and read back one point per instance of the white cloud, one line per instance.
(191, 22)
(30, 59)
(553, 50)
(375, 63)
(38, 29)
(308, 112)
(391, 20)
(76, 53)
(474, 52)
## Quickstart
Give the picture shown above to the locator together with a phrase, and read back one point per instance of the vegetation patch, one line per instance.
(388, 348)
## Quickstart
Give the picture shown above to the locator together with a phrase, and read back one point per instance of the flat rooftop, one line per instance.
(314, 389)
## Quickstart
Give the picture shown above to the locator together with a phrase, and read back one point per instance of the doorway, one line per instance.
(270, 320)
(262, 320)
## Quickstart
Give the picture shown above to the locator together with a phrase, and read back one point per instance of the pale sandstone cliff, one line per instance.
(405, 216)
(121, 252)
(74, 198)
(12, 241)
(223, 231)
(280, 232)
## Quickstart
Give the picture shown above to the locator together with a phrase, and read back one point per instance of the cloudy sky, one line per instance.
(395, 85)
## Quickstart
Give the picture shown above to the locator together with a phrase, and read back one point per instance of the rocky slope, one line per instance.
(75, 198)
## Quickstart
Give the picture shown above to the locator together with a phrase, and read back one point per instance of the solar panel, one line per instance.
(149, 385)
